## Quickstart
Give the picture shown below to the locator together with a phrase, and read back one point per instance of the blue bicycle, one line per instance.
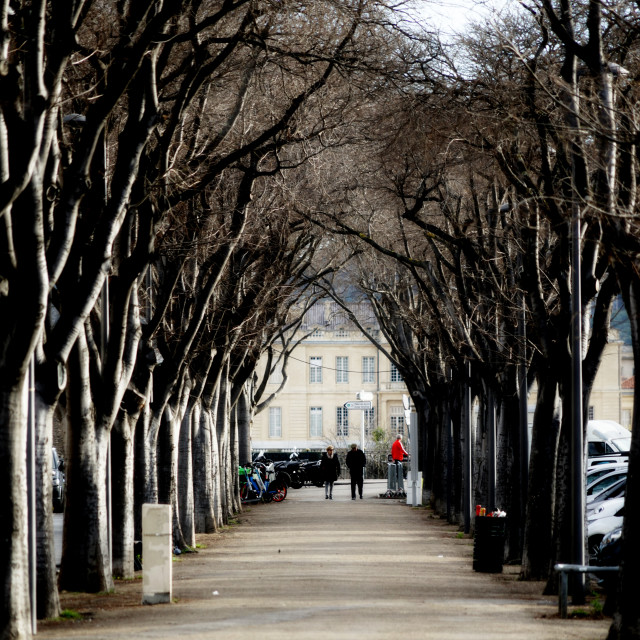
(258, 483)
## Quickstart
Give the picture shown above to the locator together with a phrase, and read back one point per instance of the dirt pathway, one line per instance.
(311, 568)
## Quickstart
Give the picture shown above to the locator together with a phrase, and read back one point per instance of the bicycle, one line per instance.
(258, 483)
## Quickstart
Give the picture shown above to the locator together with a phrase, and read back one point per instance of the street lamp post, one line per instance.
(365, 396)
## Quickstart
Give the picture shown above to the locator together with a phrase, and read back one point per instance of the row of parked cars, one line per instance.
(608, 460)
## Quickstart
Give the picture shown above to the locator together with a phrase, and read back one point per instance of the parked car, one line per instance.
(593, 473)
(58, 482)
(307, 463)
(605, 519)
(607, 436)
(604, 482)
(313, 473)
(614, 491)
(608, 459)
(610, 549)
(609, 554)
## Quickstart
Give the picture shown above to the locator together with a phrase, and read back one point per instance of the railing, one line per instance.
(564, 570)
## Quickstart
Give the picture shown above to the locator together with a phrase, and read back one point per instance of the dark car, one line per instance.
(609, 554)
(308, 461)
(58, 482)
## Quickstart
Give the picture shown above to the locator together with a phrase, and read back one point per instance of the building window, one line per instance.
(317, 333)
(275, 422)
(342, 422)
(590, 413)
(315, 422)
(395, 374)
(396, 417)
(369, 421)
(626, 418)
(315, 369)
(342, 369)
(341, 333)
(368, 369)
(276, 376)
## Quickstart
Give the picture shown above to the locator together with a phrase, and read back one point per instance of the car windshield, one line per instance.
(622, 444)
(614, 491)
(602, 483)
(602, 470)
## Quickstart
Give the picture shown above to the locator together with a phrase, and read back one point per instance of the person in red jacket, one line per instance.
(396, 471)
(397, 450)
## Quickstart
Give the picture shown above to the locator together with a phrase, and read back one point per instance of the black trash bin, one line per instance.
(488, 546)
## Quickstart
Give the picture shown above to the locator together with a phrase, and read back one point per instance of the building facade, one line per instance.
(329, 368)
(335, 362)
(612, 393)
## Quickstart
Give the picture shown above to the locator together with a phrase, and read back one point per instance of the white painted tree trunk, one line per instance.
(185, 472)
(47, 597)
(14, 564)
(203, 479)
(85, 550)
(122, 466)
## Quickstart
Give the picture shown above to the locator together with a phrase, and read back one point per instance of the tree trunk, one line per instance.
(144, 473)
(47, 597)
(216, 473)
(538, 527)
(122, 457)
(234, 476)
(203, 492)
(243, 417)
(626, 618)
(14, 562)
(508, 491)
(185, 473)
(85, 555)
(223, 432)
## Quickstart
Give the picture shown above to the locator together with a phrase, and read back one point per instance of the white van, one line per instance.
(606, 437)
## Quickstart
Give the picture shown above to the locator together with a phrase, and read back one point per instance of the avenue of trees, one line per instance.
(180, 181)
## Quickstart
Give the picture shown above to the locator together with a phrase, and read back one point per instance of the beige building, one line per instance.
(335, 362)
(612, 393)
(329, 368)
(611, 397)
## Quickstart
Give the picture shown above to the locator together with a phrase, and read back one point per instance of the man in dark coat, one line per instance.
(330, 470)
(356, 461)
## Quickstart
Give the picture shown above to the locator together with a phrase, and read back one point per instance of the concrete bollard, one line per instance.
(156, 553)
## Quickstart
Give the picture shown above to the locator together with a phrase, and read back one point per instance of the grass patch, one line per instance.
(595, 612)
(70, 614)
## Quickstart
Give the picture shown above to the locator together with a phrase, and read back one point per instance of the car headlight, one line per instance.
(612, 536)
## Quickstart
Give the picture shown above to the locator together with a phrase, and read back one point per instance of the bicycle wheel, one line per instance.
(279, 492)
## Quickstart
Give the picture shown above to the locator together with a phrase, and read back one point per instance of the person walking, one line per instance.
(330, 470)
(356, 461)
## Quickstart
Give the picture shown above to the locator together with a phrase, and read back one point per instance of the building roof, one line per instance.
(629, 383)
(330, 315)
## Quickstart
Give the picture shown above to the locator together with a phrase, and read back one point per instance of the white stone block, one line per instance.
(157, 554)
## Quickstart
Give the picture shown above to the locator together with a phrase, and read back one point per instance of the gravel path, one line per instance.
(310, 568)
